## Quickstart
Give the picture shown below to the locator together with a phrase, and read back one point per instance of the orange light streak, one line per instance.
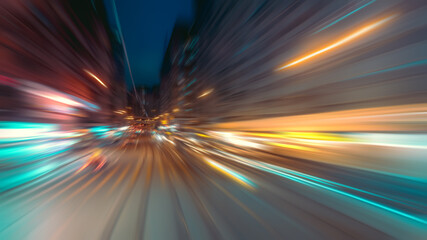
(340, 42)
(96, 78)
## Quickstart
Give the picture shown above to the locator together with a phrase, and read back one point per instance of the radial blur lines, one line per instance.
(297, 119)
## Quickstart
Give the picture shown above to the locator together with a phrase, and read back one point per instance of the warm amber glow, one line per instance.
(202, 135)
(340, 42)
(95, 77)
(364, 119)
(120, 111)
(206, 93)
(291, 146)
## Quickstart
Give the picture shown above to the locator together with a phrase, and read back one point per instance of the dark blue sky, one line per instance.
(146, 27)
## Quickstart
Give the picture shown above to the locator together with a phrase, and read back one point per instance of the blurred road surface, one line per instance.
(161, 190)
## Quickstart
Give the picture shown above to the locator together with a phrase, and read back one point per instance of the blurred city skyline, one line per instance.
(147, 26)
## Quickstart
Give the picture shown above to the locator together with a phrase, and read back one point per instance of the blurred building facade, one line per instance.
(49, 47)
(173, 72)
(237, 47)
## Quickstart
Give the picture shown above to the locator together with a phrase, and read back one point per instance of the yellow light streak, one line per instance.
(96, 78)
(340, 42)
(302, 135)
(202, 135)
(291, 146)
(268, 135)
(316, 136)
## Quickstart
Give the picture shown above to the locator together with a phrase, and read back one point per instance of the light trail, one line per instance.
(340, 42)
(234, 175)
(205, 93)
(291, 146)
(96, 78)
(345, 16)
(320, 183)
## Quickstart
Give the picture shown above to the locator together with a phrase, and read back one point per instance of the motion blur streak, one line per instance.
(345, 16)
(322, 183)
(96, 78)
(340, 42)
(229, 172)
(263, 119)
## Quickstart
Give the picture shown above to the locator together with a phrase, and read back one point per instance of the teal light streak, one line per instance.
(192, 71)
(35, 131)
(244, 48)
(30, 152)
(317, 179)
(234, 174)
(91, 106)
(28, 125)
(118, 134)
(308, 183)
(23, 173)
(407, 65)
(345, 16)
(189, 84)
(14, 181)
(100, 129)
(321, 183)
